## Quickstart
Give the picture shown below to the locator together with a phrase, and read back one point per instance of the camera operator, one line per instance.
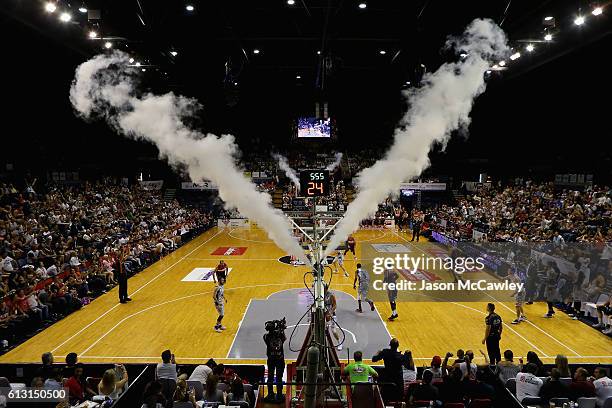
(275, 339)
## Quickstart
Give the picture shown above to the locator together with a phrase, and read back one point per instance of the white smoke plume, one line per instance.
(104, 87)
(283, 163)
(336, 163)
(439, 107)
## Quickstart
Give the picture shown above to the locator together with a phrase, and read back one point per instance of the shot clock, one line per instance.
(314, 183)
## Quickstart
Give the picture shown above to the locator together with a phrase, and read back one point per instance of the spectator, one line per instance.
(527, 383)
(71, 362)
(394, 360)
(212, 393)
(46, 370)
(359, 371)
(533, 358)
(55, 381)
(603, 385)
(435, 368)
(580, 386)
(167, 368)
(554, 388)
(237, 395)
(506, 369)
(78, 389)
(563, 366)
(201, 372)
(182, 394)
(109, 386)
(153, 397)
(426, 391)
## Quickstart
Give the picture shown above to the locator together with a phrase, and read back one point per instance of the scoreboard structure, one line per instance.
(314, 183)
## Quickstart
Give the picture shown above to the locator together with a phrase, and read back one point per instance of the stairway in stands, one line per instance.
(169, 194)
(277, 197)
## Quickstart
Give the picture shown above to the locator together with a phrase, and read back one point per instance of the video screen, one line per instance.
(314, 128)
(407, 193)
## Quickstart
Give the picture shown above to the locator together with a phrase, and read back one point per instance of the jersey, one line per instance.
(495, 322)
(218, 295)
(363, 277)
(221, 271)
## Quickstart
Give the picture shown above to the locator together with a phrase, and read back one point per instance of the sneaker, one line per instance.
(346, 274)
(523, 318)
(223, 327)
(339, 347)
(359, 310)
(548, 315)
(372, 306)
(574, 317)
(218, 329)
(392, 317)
(608, 331)
(516, 321)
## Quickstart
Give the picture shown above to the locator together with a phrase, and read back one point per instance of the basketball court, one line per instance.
(172, 308)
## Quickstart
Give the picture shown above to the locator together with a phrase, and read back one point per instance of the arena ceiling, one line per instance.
(250, 61)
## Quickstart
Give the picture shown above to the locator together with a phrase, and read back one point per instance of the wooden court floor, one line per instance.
(167, 312)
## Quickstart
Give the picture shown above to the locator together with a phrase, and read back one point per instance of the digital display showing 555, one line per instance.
(314, 183)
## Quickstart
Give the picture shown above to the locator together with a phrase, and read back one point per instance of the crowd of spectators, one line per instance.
(61, 248)
(531, 212)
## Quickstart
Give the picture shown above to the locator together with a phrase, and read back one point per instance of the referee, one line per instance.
(123, 278)
(493, 334)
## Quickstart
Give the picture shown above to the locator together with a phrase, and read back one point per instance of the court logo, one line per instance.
(229, 251)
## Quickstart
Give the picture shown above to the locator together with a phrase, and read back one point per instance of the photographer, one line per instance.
(275, 339)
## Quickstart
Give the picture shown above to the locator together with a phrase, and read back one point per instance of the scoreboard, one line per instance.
(314, 183)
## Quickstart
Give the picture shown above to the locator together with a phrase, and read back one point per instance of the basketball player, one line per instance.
(220, 301)
(390, 277)
(339, 262)
(350, 246)
(519, 296)
(363, 277)
(123, 278)
(330, 315)
(220, 272)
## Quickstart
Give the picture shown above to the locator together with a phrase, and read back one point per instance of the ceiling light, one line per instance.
(579, 20)
(548, 18)
(144, 70)
(65, 17)
(291, 2)
(548, 37)
(515, 56)
(108, 44)
(137, 64)
(407, 82)
(189, 7)
(495, 66)
(530, 47)
(236, 83)
(131, 60)
(298, 77)
(93, 34)
(488, 71)
(83, 9)
(502, 63)
(50, 7)
(174, 53)
(382, 52)
(362, 5)
(255, 51)
(597, 11)
(318, 52)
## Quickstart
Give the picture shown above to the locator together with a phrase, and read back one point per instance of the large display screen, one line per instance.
(313, 128)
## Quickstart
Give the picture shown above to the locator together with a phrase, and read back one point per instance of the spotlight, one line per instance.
(382, 52)
(291, 2)
(579, 21)
(502, 63)
(108, 45)
(548, 37)
(65, 17)
(407, 82)
(50, 7)
(144, 70)
(515, 56)
(318, 52)
(131, 60)
(488, 71)
(174, 53)
(495, 66)
(189, 7)
(549, 18)
(463, 55)
(255, 51)
(530, 47)
(597, 11)
(93, 34)
(137, 64)
(298, 77)
(83, 9)
(362, 5)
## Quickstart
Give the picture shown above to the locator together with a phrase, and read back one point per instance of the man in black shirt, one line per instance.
(275, 340)
(393, 371)
(493, 334)
(425, 391)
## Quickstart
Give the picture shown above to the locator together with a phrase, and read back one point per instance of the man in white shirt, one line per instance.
(603, 386)
(527, 384)
(201, 373)
(167, 368)
(8, 264)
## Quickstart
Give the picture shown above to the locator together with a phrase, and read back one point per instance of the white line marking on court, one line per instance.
(82, 354)
(287, 290)
(231, 259)
(239, 326)
(248, 240)
(531, 323)
(135, 292)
